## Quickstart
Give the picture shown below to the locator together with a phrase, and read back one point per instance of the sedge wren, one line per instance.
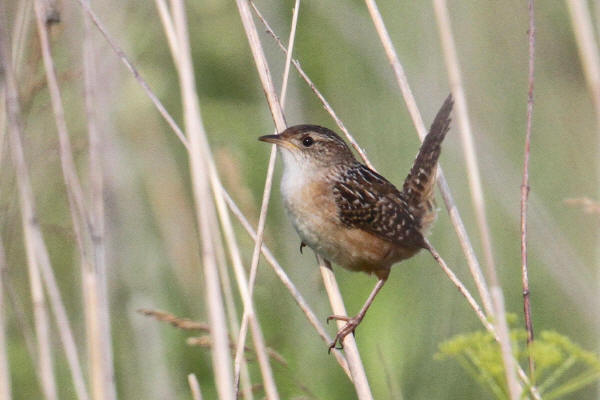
(348, 213)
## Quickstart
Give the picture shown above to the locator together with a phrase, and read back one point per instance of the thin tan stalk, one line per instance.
(279, 271)
(234, 326)
(95, 278)
(313, 87)
(268, 380)
(98, 334)
(478, 311)
(442, 183)
(280, 124)
(313, 320)
(359, 379)
(590, 59)
(194, 387)
(474, 178)
(20, 32)
(422, 131)
(5, 389)
(525, 192)
(123, 57)
(28, 217)
(267, 85)
(221, 356)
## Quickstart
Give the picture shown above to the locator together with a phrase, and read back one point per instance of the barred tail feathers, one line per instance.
(419, 184)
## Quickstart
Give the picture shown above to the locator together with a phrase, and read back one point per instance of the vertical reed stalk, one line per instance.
(525, 191)
(28, 216)
(359, 379)
(5, 389)
(476, 189)
(221, 356)
(95, 278)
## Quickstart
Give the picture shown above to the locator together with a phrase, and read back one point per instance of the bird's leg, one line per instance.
(352, 323)
(302, 244)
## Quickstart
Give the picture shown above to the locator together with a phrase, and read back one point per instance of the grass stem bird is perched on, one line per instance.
(351, 215)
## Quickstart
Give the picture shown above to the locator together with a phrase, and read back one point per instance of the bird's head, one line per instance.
(311, 146)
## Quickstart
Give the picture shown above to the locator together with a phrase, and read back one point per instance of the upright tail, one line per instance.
(419, 184)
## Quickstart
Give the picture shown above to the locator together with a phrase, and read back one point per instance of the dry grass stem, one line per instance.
(359, 376)
(422, 131)
(166, 19)
(310, 315)
(28, 216)
(203, 203)
(587, 46)
(280, 124)
(95, 275)
(232, 314)
(476, 189)
(123, 57)
(194, 387)
(313, 320)
(356, 367)
(277, 113)
(442, 183)
(525, 191)
(313, 87)
(20, 32)
(99, 342)
(5, 389)
(268, 379)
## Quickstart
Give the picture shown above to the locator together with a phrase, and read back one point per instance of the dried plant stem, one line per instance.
(30, 228)
(88, 234)
(234, 325)
(179, 133)
(442, 183)
(313, 87)
(123, 57)
(454, 75)
(221, 356)
(95, 276)
(525, 191)
(280, 124)
(590, 59)
(259, 344)
(5, 390)
(358, 378)
(310, 315)
(422, 132)
(20, 32)
(194, 387)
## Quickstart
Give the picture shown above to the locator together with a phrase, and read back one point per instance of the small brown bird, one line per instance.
(348, 213)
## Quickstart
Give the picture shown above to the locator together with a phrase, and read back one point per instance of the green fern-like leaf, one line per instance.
(562, 367)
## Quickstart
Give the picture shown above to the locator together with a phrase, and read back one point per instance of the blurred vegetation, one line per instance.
(152, 241)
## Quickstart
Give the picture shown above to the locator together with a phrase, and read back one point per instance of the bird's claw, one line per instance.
(349, 327)
(302, 244)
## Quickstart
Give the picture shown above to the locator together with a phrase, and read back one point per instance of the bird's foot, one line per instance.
(351, 324)
(302, 244)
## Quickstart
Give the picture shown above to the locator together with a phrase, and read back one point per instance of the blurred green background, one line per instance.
(152, 241)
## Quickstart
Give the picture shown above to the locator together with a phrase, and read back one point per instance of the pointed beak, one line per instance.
(279, 141)
(275, 139)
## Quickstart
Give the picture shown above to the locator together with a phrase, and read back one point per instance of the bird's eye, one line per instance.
(307, 141)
